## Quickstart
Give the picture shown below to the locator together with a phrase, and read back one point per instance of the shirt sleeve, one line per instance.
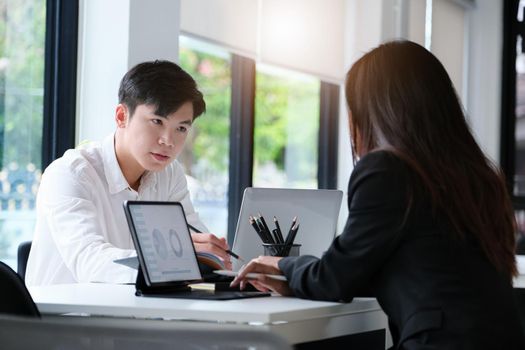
(179, 193)
(65, 199)
(377, 201)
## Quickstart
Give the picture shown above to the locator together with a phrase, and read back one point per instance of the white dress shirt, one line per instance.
(81, 227)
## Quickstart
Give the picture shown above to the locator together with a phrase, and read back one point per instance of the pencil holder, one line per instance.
(276, 249)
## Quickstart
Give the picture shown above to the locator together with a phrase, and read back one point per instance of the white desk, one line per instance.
(297, 320)
(519, 281)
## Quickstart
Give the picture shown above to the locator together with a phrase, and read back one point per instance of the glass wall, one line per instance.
(519, 136)
(206, 155)
(519, 161)
(22, 43)
(512, 155)
(286, 129)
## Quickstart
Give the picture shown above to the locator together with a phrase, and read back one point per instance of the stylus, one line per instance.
(250, 274)
(229, 252)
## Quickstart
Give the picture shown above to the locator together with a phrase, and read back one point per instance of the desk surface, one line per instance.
(297, 320)
(120, 300)
(519, 281)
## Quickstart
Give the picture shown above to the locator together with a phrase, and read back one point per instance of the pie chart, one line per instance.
(175, 243)
(159, 244)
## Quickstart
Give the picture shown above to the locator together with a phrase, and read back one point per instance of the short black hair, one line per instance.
(162, 84)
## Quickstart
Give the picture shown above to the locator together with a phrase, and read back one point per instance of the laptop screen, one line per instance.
(163, 242)
(316, 211)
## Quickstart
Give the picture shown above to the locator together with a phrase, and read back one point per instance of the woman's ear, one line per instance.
(121, 115)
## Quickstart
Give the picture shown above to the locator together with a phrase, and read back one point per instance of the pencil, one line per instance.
(290, 239)
(229, 252)
(266, 234)
(234, 255)
(254, 223)
(294, 233)
(278, 228)
(266, 229)
(194, 229)
(264, 223)
(276, 236)
(290, 230)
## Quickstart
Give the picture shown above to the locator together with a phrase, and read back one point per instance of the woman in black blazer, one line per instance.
(430, 229)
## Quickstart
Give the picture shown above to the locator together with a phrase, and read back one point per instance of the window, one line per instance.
(38, 43)
(512, 151)
(286, 129)
(205, 157)
(22, 44)
(279, 123)
(519, 132)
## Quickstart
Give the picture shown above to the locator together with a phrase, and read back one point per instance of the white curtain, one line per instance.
(448, 39)
(303, 35)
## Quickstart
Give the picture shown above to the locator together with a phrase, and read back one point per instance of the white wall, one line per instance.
(363, 31)
(448, 43)
(484, 64)
(368, 23)
(114, 36)
(301, 35)
(103, 46)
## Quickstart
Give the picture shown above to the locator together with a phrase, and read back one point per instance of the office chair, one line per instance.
(22, 256)
(14, 296)
(103, 333)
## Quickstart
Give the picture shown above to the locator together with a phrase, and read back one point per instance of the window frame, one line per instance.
(511, 29)
(60, 78)
(328, 136)
(242, 129)
(58, 102)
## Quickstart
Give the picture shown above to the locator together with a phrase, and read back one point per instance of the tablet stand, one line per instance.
(141, 288)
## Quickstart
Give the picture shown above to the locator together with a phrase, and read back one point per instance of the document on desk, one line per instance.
(249, 275)
(132, 262)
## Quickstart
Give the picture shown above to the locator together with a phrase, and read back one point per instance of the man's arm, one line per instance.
(78, 227)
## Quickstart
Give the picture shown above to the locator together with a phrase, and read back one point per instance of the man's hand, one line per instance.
(209, 243)
(263, 265)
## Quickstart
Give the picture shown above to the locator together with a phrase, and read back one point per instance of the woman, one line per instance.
(430, 229)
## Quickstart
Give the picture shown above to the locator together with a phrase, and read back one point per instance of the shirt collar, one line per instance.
(114, 176)
(116, 180)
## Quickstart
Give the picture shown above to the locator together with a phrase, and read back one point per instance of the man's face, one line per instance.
(152, 142)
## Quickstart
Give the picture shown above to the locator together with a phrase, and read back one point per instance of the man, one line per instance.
(81, 227)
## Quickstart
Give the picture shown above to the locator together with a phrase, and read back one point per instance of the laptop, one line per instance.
(316, 211)
(167, 259)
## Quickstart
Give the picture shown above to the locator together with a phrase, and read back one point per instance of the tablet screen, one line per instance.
(163, 242)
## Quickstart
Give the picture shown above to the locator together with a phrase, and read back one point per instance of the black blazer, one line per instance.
(438, 292)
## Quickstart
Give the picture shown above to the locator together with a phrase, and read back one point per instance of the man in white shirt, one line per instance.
(81, 227)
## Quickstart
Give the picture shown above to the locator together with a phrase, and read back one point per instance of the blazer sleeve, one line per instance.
(377, 202)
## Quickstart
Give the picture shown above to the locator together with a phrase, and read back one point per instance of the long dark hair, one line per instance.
(401, 99)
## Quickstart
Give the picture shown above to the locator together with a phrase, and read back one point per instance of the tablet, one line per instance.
(167, 259)
(163, 242)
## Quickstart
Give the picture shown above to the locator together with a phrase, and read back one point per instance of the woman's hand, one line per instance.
(209, 243)
(264, 265)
